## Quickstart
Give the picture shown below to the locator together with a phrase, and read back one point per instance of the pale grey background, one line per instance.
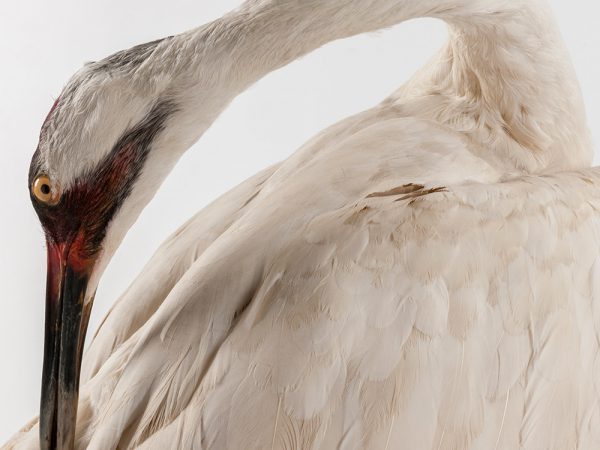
(44, 42)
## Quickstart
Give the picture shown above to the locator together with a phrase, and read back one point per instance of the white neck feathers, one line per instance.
(505, 67)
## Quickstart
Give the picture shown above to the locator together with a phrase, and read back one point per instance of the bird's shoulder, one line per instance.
(418, 296)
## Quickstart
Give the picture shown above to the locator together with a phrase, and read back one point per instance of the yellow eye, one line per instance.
(45, 191)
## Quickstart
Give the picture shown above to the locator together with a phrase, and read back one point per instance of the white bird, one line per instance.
(423, 275)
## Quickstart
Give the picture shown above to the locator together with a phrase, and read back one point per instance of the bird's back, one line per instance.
(414, 315)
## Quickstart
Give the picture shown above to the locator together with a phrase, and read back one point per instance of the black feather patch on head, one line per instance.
(85, 210)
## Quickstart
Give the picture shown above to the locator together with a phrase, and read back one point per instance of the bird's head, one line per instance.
(98, 163)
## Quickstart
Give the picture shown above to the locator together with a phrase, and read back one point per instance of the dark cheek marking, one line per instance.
(87, 208)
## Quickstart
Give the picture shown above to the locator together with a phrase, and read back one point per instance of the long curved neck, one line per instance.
(505, 66)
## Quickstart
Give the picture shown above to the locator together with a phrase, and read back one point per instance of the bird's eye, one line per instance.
(45, 191)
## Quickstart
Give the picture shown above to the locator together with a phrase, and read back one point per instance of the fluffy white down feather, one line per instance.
(399, 282)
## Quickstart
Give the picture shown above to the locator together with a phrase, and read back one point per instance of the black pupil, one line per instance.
(45, 189)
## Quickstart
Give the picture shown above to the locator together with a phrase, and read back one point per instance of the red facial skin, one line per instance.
(59, 257)
(78, 259)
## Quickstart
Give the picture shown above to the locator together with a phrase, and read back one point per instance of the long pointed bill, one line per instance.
(67, 316)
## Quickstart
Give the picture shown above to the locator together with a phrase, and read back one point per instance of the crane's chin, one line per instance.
(67, 315)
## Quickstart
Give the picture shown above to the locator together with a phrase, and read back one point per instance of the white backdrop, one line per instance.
(44, 42)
